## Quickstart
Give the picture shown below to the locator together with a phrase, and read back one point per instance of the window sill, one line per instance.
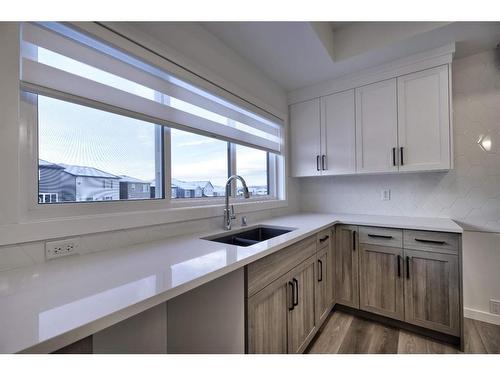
(38, 230)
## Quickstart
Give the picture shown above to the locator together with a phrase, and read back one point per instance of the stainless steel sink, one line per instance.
(250, 236)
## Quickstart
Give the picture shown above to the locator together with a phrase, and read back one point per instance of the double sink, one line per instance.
(251, 236)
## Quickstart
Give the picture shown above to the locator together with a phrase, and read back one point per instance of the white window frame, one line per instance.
(31, 210)
(35, 222)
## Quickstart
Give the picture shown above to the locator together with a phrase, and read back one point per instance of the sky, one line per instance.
(79, 135)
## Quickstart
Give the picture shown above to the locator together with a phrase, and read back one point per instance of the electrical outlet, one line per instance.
(56, 249)
(495, 306)
(385, 195)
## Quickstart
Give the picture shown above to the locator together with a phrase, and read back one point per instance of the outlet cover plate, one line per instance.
(495, 306)
(61, 248)
(385, 195)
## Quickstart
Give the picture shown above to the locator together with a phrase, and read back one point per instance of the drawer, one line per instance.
(323, 239)
(440, 242)
(264, 271)
(381, 236)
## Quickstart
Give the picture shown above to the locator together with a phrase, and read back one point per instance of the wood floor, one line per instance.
(344, 333)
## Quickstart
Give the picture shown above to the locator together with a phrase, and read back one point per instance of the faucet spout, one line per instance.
(229, 213)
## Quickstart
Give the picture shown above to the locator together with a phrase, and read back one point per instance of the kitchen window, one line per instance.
(87, 154)
(110, 126)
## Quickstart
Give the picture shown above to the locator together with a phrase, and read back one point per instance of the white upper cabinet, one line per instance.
(399, 124)
(424, 120)
(377, 127)
(338, 138)
(305, 138)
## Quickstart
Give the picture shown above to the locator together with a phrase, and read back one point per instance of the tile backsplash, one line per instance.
(469, 194)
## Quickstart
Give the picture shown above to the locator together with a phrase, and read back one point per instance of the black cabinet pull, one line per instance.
(430, 241)
(399, 265)
(323, 162)
(320, 270)
(317, 162)
(394, 156)
(353, 240)
(324, 239)
(401, 152)
(407, 267)
(296, 289)
(380, 236)
(290, 308)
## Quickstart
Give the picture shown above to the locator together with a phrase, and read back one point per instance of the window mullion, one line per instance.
(232, 167)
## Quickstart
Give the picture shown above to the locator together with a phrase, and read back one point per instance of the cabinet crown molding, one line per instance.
(410, 64)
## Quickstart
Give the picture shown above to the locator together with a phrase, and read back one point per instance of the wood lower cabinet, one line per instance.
(432, 294)
(381, 280)
(267, 318)
(346, 288)
(323, 289)
(301, 319)
(324, 275)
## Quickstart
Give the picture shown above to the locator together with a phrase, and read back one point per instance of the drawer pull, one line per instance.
(380, 236)
(324, 239)
(430, 241)
(320, 268)
(296, 289)
(290, 308)
(353, 240)
(394, 156)
(317, 163)
(407, 267)
(323, 162)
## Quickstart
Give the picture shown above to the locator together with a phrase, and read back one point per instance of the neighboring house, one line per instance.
(186, 189)
(219, 191)
(54, 184)
(74, 183)
(133, 188)
(207, 189)
(92, 184)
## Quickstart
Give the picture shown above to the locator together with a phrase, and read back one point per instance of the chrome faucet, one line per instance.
(229, 213)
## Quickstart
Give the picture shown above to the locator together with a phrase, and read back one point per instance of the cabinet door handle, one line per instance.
(323, 162)
(324, 239)
(407, 267)
(296, 289)
(380, 236)
(290, 308)
(430, 241)
(353, 240)
(320, 270)
(317, 162)
(402, 159)
(394, 156)
(399, 265)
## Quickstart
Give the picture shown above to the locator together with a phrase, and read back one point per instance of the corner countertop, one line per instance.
(50, 305)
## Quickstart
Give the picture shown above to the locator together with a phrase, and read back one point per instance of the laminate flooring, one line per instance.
(344, 333)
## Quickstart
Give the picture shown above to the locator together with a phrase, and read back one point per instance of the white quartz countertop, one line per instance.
(50, 305)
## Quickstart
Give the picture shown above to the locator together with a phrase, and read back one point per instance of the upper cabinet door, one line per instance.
(305, 139)
(376, 127)
(424, 120)
(338, 135)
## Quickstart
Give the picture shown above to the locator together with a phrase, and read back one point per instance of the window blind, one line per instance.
(60, 61)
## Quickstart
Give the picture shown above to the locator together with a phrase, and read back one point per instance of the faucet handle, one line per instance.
(232, 215)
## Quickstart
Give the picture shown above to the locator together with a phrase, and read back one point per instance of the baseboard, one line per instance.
(483, 316)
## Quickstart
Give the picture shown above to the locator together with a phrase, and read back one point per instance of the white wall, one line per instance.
(469, 194)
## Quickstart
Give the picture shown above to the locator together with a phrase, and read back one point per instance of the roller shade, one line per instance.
(59, 61)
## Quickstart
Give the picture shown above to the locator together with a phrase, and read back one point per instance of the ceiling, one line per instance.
(298, 54)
